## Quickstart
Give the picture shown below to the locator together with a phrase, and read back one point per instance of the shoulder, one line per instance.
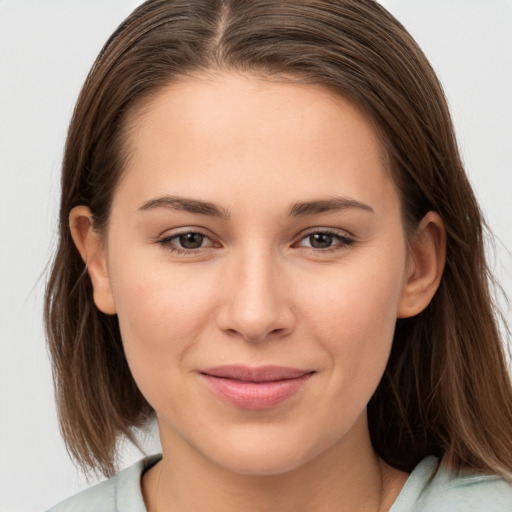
(433, 487)
(463, 491)
(121, 492)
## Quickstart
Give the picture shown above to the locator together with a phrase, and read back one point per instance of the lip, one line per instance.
(255, 388)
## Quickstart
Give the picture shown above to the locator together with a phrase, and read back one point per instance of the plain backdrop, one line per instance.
(46, 49)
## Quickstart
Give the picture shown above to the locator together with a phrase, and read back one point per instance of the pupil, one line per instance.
(320, 240)
(191, 240)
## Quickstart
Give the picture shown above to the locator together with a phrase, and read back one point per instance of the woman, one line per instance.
(283, 262)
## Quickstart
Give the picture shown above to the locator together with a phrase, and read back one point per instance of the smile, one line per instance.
(255, 388)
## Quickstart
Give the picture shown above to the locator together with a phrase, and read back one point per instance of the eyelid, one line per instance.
(331, 231)
(165, 239)
(168, 233)
(345, 238)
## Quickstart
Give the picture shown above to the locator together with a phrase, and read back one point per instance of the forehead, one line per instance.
(225, 134)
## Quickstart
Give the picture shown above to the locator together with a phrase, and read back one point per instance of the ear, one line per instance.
(426, 259)
(91, 248)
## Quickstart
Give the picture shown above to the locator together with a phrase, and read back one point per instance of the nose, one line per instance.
(256, 303)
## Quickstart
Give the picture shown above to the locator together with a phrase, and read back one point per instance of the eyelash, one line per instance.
(343, 242)
(166, 242)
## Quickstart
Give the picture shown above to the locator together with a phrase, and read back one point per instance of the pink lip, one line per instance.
(255, 388)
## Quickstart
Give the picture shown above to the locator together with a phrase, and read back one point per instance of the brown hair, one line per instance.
(446, 390)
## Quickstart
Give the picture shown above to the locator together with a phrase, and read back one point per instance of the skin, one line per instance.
(257, 293)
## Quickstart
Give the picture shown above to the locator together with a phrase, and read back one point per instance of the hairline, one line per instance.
(139, 110)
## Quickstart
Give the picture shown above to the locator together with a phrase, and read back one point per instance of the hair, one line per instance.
(446, 389)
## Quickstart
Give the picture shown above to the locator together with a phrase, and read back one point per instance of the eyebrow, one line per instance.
(299, 209)
(184, 204)
(304, 208)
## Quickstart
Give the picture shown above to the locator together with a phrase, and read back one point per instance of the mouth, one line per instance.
(255, 388)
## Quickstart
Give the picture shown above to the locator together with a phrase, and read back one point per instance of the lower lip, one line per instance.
(255, 395)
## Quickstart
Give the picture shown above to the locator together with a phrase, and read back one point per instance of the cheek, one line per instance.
(353, 315)
(161, 314)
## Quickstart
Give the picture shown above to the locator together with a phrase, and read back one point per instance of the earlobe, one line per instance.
(92, 250)
(426, 259)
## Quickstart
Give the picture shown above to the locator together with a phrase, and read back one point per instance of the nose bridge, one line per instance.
(256, 303)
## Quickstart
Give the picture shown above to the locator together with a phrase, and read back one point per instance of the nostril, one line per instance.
(257, 336)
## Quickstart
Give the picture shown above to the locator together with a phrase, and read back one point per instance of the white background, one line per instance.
(46, 49)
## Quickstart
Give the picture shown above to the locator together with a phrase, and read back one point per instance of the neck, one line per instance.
(341, 479)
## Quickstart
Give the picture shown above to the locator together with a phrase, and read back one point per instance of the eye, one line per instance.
(324, 240)
(188, 241)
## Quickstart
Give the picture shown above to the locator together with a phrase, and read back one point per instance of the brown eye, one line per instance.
(320, 240)
(191, 240)
(325, 240)
(187, 242)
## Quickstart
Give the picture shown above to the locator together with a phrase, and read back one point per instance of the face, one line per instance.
(257, 262)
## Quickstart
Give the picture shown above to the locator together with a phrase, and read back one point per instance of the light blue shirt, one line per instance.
(431, 487)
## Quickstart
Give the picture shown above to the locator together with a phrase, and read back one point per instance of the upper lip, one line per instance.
(254, 374)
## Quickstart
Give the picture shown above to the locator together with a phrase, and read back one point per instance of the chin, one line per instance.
(262, 464)
(262, 455)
